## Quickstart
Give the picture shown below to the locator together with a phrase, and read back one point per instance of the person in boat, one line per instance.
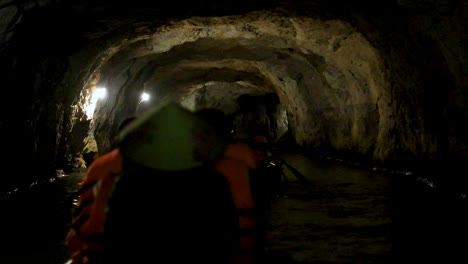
(170, 203)
(267, 162)
(240, 167)
(259, 142)
(268, 181)
(88, 215)
(218, 119)
(175, 196)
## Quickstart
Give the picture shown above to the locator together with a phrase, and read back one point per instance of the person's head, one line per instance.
(167, 131)
(216, 118)
(257, 129)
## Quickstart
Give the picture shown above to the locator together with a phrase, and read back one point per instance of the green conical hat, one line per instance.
(170, 137)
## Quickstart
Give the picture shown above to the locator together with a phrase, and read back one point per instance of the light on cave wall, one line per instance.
(98, 94)
(144, 97)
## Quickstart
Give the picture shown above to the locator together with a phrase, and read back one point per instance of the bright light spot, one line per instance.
(145, 97)
(99, 93)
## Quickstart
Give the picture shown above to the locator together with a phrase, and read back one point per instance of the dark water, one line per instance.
(34, 223)
(342, 217)
(345, 215)
(355, 215)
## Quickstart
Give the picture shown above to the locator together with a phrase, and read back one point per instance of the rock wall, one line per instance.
(384, 82)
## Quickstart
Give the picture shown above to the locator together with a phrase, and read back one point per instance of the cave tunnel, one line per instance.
(377, 82)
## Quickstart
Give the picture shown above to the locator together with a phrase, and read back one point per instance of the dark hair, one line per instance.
(216, 118)
(257, 129)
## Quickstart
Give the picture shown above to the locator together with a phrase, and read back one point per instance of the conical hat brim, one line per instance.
(170, 137)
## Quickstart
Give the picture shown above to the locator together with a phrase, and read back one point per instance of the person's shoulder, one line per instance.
(104, 162)
(109, 156)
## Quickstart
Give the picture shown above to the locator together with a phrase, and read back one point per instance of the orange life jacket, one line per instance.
(87, 223)
(238, 160)
(83, 238)
(260, 150)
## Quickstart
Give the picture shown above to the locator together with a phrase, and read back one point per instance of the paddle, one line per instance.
(295, 172)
